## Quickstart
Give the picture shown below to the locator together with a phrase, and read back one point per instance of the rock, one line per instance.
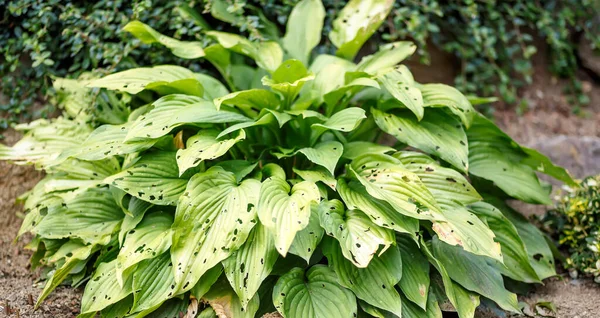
(590, 58)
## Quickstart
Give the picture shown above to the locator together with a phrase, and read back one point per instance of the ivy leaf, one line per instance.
(415, 273)
(373, 284)
(176, 110)
(285, 210)
(440, 95)
(150, 238)
(154, 178)
(213, 219)
(516, 261)
(359, 237)
(355, 24)
(204, 146)
(182, 49)
(436, 134)
(248, 267)
(388, 55)
(103, 289)
(314, 294)
(164, 79)
(301, 37)
(473, 273)
(306, 241)
(380, 212)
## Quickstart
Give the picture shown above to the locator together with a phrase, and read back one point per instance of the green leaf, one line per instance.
(248, 267)
(176, 110)
(494, 156)
(73, 253)
(250, 101)
(288, 79)
(214, 217)
(354, 149)
(317, 174)
(516, 261)
(400, 84)
(301, 37)
(415, 273)
(153, 283)
(134, 213)
(92, 215)
(268, 55)
(182, 49)
(226, 303)
(306, 241)
(213, 88)
(315, 294)
(345, 120)
(473, 273)
(240, 168)
(380, 212)
(154, 178)
(150, 238)
(432, 310)
(436, 134)
(440, 95)
(285, 210)
(373, 284)
(206, 281)
(355, 24)
(359, 237)
(325, 154)
(164, 79)
(540, 254)
(390, 54)
(74, 98)
(204, 146)
(541, 163)
(109, 140)
(103, 289)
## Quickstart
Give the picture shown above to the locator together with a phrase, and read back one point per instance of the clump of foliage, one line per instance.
(275, 190)
(575, 223)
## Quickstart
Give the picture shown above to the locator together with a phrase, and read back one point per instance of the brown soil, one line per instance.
(19, 287)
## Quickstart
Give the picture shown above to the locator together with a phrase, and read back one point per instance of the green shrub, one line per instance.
(275, 191)
(575, 223)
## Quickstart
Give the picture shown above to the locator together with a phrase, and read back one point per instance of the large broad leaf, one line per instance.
(78, 175)
(385, 178)
(388, 55)
(268, 55)
(248, 267)
(134, 213)
(315, 294)
(398, 82)
(103, 289)
(355, 24)
(440, 95)
(266, 117)
(437, 134)
(44, 141)
(317, 174)
(213, 219)
(285, 210)
(373, 284)
(182, 49)
(358, 237)
(288, 79)
(306, 241)
(92, 215)
(154, 178)
(345, 120)
(250, 101)
(213, 88)
(204, 146)
(354, 149)
(206, 281)
(329, 75)
(301, 37)
(153, 283)
(474, 273)
(71, 254)
(496, 157)
(226, 303)
(176, 110)
(432, 309)
(150, 238)
(165, 79)
(540, 254)
(107, 141)
(325, 154)
(516, 261)
(415, 272)
(380, 212)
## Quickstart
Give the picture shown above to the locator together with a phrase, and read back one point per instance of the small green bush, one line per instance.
(273, 191)
(575, 223)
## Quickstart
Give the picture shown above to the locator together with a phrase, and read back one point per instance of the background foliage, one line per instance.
(494, 40)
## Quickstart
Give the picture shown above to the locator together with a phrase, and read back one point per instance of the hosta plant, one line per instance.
(311, 185)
